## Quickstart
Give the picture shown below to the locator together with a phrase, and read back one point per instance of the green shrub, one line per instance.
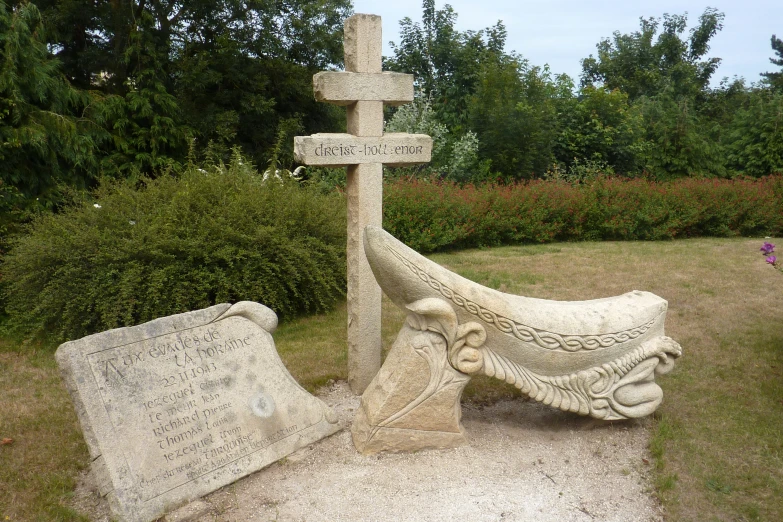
(10, 215)
(171, 245)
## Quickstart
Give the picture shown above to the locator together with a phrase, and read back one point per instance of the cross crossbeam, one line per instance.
(345, 88)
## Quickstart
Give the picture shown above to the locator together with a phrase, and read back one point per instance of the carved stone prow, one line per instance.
(596, 358)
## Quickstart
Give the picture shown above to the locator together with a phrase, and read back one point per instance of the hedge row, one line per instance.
(429, 216)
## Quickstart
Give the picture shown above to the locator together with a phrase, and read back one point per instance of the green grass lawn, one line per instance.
(717, 438)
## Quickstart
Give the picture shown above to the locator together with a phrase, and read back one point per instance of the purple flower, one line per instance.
(771, 260)
(767, 248)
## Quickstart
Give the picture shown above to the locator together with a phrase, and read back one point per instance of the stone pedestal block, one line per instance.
(414, 401)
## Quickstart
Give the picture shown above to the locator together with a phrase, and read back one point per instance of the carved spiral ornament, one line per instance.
(465, 354)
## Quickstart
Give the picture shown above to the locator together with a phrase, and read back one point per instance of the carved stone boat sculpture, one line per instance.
(596, 358)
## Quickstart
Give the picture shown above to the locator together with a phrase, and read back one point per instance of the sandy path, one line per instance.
(523, 462)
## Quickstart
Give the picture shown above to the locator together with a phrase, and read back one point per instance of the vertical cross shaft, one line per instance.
(364, 189)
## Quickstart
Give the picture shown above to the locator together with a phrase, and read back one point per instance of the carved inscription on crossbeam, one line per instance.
(341, 150)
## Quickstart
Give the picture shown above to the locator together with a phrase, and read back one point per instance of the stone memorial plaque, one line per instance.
(333, 150)
(178, 407)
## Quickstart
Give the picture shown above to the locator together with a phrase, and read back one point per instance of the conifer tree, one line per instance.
(42, 144)
(775, 79)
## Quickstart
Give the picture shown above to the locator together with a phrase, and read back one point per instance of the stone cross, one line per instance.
(363, 89)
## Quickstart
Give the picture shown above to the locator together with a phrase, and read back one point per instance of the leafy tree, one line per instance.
(666, 78)
(639, 64)
(752, 127)
(775, 79)
(228, 72)
(717, 111)
(229, 97)
(514, 114)
(418, 117)
(679, 138)
(147, 131)
(245, 82)
(756, 135)
(446, 63)
(601, 127)
(454, 158)
(720, 103)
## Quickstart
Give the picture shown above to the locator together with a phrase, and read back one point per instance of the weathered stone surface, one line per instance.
(180, 406)
(364, 188)
(345, 88)
(342, 150)
(596, 358)
(413, 403)
(363, 43)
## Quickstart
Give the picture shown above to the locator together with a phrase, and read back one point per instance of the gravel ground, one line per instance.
(523, 462)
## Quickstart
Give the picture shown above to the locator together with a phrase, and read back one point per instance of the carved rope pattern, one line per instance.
(543, 338)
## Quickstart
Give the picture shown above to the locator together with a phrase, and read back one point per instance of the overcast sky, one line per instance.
(562, 32)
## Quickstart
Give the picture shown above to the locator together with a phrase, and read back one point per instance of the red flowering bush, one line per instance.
(431, 215)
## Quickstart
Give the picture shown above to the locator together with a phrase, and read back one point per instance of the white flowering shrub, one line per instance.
(453, 157)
